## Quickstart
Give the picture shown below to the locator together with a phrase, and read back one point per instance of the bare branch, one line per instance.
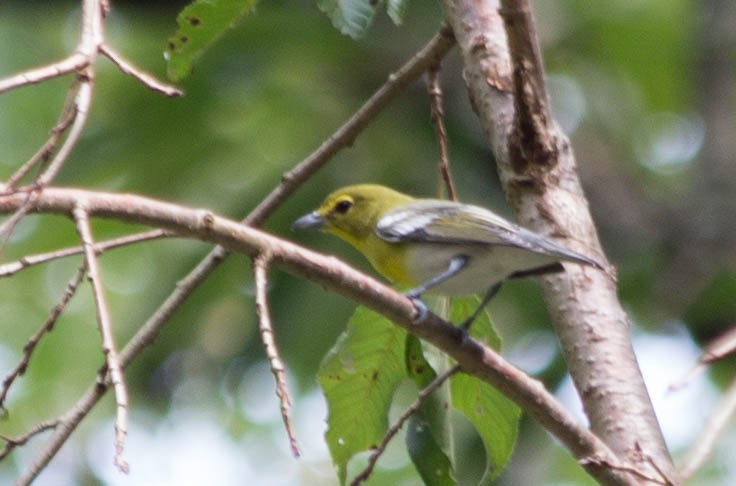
(9, 225)
(82, 101)
(11, 268)
(438, 120)
(109, 348)
(145, 78)
(68, 114)
(717, 349)
(703, 446)
(260, 269)
(71, 64)
(720, 347)
(93, 12)
(396, 427)
(13, 442)
(69, 291)
(627, 469)
(435, 49)
(474, 357)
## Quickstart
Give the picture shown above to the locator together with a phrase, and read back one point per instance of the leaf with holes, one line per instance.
(201, 23)
(359, 376)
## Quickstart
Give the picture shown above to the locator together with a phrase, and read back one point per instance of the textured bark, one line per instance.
(536, 164)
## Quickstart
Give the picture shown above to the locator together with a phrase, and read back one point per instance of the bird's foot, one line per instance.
(420, 307)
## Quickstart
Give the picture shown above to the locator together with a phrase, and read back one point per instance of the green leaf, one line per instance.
(495, 417)
(201, 23)
(397, 10)
(428, 435)
(350, 17)
(359, 376)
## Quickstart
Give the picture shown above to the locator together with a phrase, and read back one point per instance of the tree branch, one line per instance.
(11, 268)
(109, 349)
(13, 442)
(127, 68)
(48, 325)
(435, 49)
(473, 356)
(396, 427)
(260, 270)
(704, 444)
(437, 111)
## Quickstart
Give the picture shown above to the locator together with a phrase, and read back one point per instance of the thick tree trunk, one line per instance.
(537, 168)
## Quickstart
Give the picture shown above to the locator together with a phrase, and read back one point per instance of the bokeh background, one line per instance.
(645, 89)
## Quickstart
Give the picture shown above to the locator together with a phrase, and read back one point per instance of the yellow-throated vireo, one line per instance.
(445, 247)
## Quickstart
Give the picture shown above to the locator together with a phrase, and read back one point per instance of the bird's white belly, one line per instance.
(486, 266)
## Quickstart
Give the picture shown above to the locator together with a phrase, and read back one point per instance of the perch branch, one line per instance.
(474, 357)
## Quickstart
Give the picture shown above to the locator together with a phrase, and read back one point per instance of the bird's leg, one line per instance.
(457, 263)
(486, 299)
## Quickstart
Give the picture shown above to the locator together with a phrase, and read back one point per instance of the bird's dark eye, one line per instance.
(343, 206)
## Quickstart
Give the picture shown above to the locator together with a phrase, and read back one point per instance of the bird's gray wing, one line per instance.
(437, 221)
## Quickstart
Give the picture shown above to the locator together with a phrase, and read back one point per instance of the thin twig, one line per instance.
(396, 427)
(93, 12)
(82, 102)
(81, 218)
(11, 268)
(127, 68)
(13, 442)
(44, 153)
(9, 225)
(720, 347)
(664, 477)
(89, 46)
(260, 269)
(69, 291)
(625, 468)
(717, 349)
(73, 63)
(438, 120)
(703, 446)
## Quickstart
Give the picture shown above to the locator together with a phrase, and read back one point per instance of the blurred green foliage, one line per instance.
(256, 103)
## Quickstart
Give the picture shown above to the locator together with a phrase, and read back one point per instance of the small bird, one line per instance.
(444, 247)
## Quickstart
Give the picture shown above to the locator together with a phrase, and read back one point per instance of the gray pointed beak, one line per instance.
(312, 220)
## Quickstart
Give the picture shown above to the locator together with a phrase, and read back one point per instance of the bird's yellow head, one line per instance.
(352, 212)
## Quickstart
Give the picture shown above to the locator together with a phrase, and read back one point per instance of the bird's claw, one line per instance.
(420, 307)
(465, 336)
